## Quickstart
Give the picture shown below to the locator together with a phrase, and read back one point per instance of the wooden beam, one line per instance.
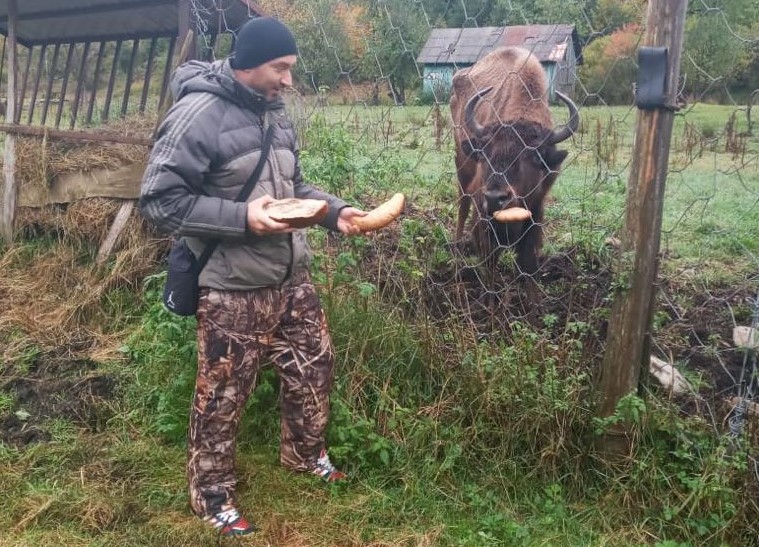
(79, 85)
(64, 84)
(185, 24)
(10, 184)
(22, 94)
(167, 72)
(95, 79)
(129, 77)
(111, 82)
(37, 78)
(148, 74)
(90, 10)
(60, 134)
(119, 223)
(49, 91)
(110, 37)
(184, 55)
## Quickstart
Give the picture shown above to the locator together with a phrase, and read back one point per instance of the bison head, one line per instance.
(518, 160)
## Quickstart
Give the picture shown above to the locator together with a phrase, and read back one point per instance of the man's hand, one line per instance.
(259, 222)
(344, 220)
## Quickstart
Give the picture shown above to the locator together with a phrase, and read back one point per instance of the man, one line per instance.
(257, 301)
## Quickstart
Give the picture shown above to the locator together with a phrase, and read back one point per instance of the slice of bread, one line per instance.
(298, 213)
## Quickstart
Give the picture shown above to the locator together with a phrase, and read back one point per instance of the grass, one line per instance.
(451, 437)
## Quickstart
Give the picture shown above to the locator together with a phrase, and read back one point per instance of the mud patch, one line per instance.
(53, 388)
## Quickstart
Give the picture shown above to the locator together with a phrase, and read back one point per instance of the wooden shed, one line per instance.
(450, 49)
(70, 66)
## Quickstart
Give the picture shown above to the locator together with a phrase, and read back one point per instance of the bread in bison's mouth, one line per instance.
(512, 214)
(298, 213)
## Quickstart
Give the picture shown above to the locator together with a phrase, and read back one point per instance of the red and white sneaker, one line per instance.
(230, 523)
(326, 470)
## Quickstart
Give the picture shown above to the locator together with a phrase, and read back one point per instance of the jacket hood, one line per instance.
(217, 78)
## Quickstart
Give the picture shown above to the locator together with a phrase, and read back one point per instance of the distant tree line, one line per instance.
(378, 41)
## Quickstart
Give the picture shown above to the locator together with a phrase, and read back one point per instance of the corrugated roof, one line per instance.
(464, 46)
(50, 21)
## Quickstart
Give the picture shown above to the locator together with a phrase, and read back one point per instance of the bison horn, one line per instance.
(564, 132)
(473, 125)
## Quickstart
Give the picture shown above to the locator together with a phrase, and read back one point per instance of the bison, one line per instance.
(506, 154)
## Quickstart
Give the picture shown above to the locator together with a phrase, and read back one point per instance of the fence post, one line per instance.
(628, 344)
(10, 184)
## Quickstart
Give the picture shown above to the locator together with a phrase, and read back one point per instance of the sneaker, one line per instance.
(326, 470)
(230, 523)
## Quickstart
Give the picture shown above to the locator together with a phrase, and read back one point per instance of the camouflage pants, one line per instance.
(238, 332)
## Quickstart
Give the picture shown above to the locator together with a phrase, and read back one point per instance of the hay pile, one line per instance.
(39, 160)
(52, 291)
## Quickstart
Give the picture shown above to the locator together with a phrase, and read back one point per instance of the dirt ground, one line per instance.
(52, 388)
(692, 326)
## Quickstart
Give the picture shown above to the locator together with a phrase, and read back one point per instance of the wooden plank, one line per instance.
(148, 74)
(185, 24)
(79, 85)
(90, 10)
(184, 54)
(628, 348)
(22, 94)
(91, 136)
(101, 37)
(111, 82)
(10, 185)
(2, 58)
(129, 77)
(49, 89)
(95, 80)
(38, 77)
(119, 223)
(116, 183)
(167, 72)
(64, 84)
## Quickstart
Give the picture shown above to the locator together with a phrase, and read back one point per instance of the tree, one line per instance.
(610, 15)
(398, 33)
(713, 54)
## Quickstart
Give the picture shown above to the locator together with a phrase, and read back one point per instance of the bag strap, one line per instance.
(242, 196)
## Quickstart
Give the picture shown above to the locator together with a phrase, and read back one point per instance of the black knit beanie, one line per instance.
(259, 41)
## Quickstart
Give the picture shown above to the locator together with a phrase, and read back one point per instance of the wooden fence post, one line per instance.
(628, 344)
(10, 185)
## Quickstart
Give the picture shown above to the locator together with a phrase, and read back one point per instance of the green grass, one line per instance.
(450, 439)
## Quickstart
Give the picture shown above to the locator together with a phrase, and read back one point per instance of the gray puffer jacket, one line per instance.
(205, 151)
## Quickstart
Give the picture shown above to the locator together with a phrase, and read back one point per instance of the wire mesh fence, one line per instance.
(372, 106)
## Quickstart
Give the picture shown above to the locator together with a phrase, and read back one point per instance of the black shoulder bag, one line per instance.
(181, 292)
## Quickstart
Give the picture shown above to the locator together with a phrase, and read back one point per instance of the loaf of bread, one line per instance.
(381, 216)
